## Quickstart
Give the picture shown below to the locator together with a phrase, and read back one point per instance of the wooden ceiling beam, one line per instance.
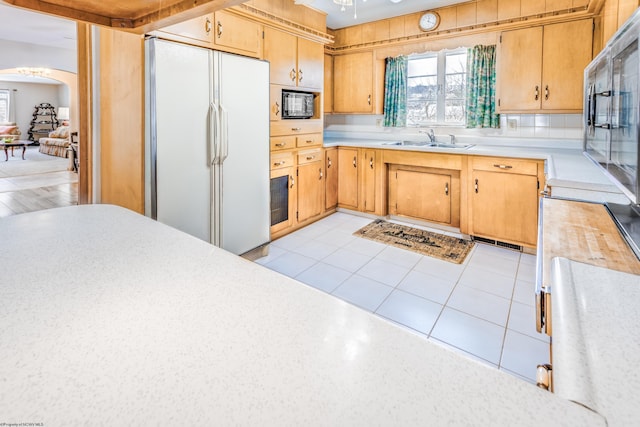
(137, 16)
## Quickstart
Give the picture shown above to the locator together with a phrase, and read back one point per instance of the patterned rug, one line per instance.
(427, 243)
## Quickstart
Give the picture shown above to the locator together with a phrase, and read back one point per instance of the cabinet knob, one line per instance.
(277, 109)
(503, 166)
(475, 187)
(311, 157)
(280, 144)
(546, 93)
(219, 29)
(293, 181)
(355, 163)
(537, 93)
(321, 175)
(543, 376)
(328, 162)
(299, 75)
(371, 163)
(280, 163)
(207, 26)
(369, 99)
(309, 141)
(292, 74)
(296, 129)
(446, 188)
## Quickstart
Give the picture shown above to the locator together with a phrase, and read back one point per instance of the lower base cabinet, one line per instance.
(310, 184)
(425, 193)
(503, 199)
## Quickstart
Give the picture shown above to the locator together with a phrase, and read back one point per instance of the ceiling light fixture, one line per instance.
(34, 71)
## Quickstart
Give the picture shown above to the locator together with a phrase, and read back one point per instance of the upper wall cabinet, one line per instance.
(357, 83)
(220, 30)
(236, 34)
(541, 68)
(294, 61)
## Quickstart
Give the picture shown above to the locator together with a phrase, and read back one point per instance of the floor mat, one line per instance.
(439, 246)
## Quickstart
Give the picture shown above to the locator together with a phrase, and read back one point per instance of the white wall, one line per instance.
(29, 95)
(16, 54)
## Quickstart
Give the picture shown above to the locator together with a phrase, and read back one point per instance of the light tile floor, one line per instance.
(483, 308)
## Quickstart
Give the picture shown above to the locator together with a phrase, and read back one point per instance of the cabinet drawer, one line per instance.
(309, 156)
(309, 140)
(506, 165)
(282, 142)
(281, 160)
(295, 127)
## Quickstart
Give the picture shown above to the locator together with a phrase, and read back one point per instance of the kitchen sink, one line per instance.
(429, 144)
(448, 145)
(408, 143)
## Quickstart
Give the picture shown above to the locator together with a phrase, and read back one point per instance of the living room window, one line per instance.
(4, 105)
(436, 84)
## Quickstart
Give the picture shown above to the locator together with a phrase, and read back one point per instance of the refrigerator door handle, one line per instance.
(214, 132)
(224, 130)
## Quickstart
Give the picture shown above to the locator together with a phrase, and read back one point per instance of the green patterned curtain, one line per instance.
(481, 88)
(395, 92)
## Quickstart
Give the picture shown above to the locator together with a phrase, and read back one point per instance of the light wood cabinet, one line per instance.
(294, 61)
(541, 68)
(310, 184)
(331, 178)
(328, 84)
(369, 181)
(283, 196)
(503, 199)
(348, 178)
(233, 33)
(425, 193)
(356, 83)
(221, 30)
(361, 185)
(198, 29)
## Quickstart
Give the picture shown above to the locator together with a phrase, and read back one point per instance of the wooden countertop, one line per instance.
(583, 232)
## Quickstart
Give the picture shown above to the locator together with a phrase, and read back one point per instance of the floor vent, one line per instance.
(497, 243)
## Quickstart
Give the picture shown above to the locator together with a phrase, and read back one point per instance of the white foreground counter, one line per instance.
(109, 318)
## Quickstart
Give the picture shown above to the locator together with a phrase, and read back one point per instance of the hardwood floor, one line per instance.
(37, 183)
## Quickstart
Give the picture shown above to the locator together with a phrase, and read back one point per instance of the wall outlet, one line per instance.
(379, 122)
(512, 124)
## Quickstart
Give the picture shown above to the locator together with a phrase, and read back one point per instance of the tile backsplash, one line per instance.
(555, 126)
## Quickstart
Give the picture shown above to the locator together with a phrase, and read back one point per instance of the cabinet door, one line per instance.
(283, 199)
(353, 83)
(331, 178)
(199, 29)
(348, 178)
(310, 64)
(505, 206)
(236, 34)
(520, 68)
(310, 186)
(328, 84)
(369, 180)
(567, 51)
(280, 49)
(423, 195)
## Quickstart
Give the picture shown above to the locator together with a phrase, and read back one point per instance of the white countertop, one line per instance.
(596, 344)
(568, 171)
(109, 318)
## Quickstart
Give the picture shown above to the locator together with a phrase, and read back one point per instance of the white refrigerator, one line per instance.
(207, 144)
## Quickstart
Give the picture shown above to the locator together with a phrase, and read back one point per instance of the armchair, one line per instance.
(57, 143)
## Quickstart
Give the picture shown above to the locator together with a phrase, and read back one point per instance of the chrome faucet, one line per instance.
(453, 139)
(432, 136)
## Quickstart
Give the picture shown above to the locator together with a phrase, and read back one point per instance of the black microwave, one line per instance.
(297, 105)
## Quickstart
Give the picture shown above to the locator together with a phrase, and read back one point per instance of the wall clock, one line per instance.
(429, 21)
